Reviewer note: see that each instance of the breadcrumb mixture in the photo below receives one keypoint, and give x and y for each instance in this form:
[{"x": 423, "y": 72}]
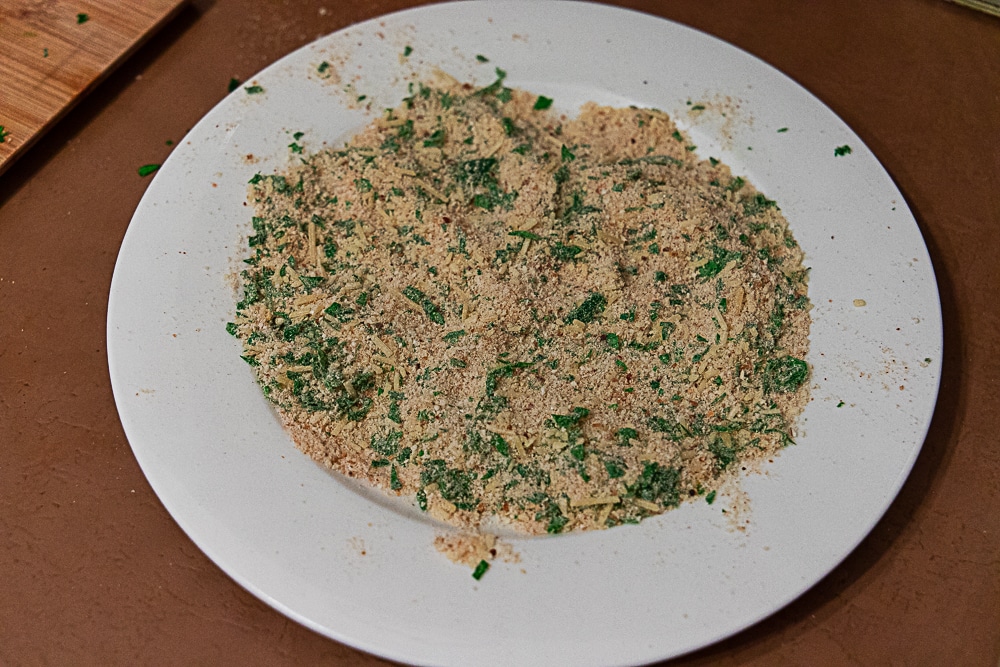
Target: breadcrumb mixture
[
  {"x": 472, "y": 548},
  {"x": 557, "y": 324}
]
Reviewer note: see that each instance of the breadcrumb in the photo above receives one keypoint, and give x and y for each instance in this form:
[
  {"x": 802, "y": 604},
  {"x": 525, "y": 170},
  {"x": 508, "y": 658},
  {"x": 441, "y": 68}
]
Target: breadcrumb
[{"x": 560, "y": 324}]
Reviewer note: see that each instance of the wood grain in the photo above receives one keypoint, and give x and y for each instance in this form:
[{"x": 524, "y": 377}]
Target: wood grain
[{"x": 53, "y": 52}]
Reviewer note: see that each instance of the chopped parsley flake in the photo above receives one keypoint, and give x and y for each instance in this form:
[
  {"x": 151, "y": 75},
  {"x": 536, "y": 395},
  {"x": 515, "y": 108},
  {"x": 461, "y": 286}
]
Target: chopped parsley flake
[
  {"x": 542, "y": 103},
  {"x": 421, "y": 299},
  {"x": 589, "y": 309},
  {"x": 480, "y": 570}
]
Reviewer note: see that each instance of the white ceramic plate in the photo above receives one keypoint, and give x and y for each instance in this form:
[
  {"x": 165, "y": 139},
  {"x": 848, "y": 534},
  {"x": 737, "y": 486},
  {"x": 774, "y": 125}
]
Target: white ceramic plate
[{"x": 360, "y": 568}]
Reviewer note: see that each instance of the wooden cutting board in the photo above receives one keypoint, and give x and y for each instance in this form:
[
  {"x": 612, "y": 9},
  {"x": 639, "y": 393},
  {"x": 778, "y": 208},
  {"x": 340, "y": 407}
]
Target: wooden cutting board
[{"x": 53, "y": 52}]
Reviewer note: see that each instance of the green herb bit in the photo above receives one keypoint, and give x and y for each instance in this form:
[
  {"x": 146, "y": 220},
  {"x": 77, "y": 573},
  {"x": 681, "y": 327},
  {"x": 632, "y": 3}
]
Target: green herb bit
[
  {"x": 842, "y": 150},
  {"x": 481, "y": 58},
  {"x": 3, "y": 134},
  {"x": 253, "y": 90},
  {"x": 572, "y": 419},
  {"x": 436, "y": 140},
  {"x": 234, "y": 83},
  {"x": 588, "y": 310},
  {"x": 421, "y": 299},
  {"x": 82, "y": 18},
  {"x": 782, "y": 129},
  {"x": 614, "y": 342},
  {"x": 504, "y": 371},
  {"x": 386, "y": 445},
  {"x": 567, "y": 154},
  {"x": 481, "y": 171},
  {"x": 614, "y": 470},
  {"x": 147, "y": 169},
  {"x": 524, "y": 234},
  {"x": 626, "y": 436},
  {"x": 710, "y": 498},
  {"x": 405, "y": 130},
  {"x": 758, "y": 203},
  {"x": 453, "y": 484},
  {"x": 542, "y": 103},
  {"x": 407, "y": 50},
  {"x": 564, "y": 253},
  {"x": 657, "y": 484},
  {"x": 556, "y": 520},
  {"x": 452, "y": 338},
  {"x": 500, "y": 444},
  {"x": 673, "y": 429},
  {"x": 720, "y": 257},
  {"x": 724, "y": 454},
  {"x": 784, "y": 375},
  {"x": 323, "y": 67},
  {"x": 480, "y": 570},
  {"x": 231, "y": 329},
  {"x": 654, "y": 310},
  {"x": 840, "y": 404},
  {"x": 495, "y": 87},
  {"x": 735, "y": 184},
  {"x": 394, "y": 413}
]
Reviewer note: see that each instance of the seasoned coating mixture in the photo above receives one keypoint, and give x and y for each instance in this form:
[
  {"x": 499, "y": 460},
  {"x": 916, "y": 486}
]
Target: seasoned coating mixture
[{"x": 517, "y": 318}]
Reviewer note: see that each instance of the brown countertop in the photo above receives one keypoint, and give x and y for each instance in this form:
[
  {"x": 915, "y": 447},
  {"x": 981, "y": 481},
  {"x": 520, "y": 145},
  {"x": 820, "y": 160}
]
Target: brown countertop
[{"x": 95, "y": 570}]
